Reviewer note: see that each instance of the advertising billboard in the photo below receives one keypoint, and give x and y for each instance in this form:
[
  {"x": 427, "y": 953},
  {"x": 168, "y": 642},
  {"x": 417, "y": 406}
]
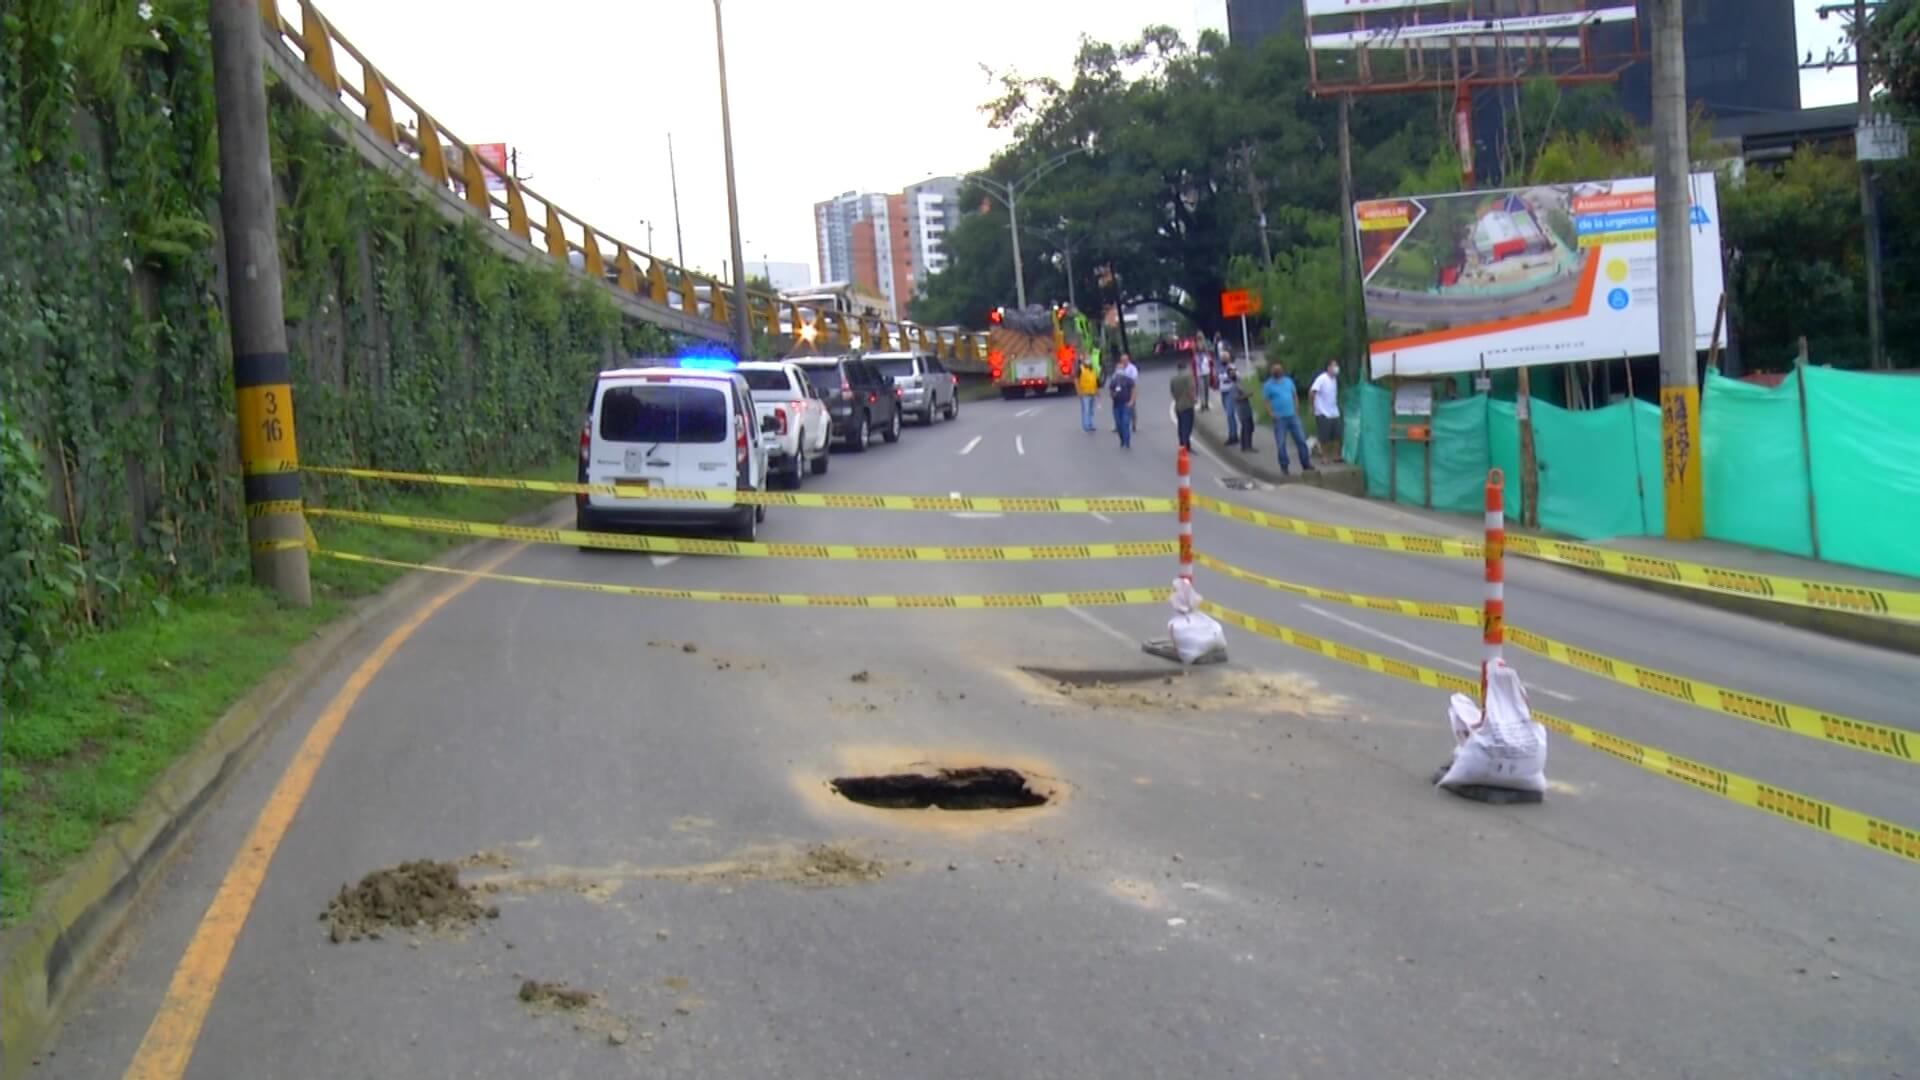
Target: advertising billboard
[
  {"x": 494, "y": 154},
  {"x": 1317, "y": 8},
  {"x": 1535, "y": 275}
]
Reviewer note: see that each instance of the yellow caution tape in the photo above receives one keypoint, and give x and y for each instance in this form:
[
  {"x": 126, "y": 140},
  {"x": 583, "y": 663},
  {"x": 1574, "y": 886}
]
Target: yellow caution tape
[
  {"x": 676, "y": 546},
  {"x": 1455, "y": 614},
  {"x": 1002, "y": 504},
  {"x": 1799, "y": 719},
  {"x": 916, "y": 602},
  {"x": 1876, "y": 833},
  {"x": 274, "y": 506},
  {"x": 1826, "y": 595},
  {"x": 1412, "y": 543},
  {"x": 1801, "y": 592}
]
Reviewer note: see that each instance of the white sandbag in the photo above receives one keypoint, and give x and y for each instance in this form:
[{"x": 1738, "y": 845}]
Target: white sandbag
[
  {"x": 1194, "y": 633},
  {"x": 1504, "y": 746}
]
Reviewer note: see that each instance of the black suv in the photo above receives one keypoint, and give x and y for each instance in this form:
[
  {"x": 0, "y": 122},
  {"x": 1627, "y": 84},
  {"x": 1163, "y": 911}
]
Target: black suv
[{"x": 860, "y": 400}]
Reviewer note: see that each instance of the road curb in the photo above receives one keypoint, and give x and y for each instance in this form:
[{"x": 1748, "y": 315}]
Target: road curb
[
  {"x": 79, "y": 914},
  {"x": 1892, "y": 634},
  {"x": 1342, "y": 481}
]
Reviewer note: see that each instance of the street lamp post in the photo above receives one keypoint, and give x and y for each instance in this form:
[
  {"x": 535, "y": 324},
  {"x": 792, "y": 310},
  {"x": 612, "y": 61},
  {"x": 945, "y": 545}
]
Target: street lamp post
[
  {"x": 1009, "y": 195},
  {"x": 742, "y": 339}
]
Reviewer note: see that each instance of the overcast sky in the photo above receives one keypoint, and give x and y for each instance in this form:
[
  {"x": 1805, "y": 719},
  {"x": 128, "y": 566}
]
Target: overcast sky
[{"x": 827, "y": 95}]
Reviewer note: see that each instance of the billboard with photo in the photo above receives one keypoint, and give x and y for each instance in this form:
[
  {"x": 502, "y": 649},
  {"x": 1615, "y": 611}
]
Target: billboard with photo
[{"x": 1535, "y": 275}]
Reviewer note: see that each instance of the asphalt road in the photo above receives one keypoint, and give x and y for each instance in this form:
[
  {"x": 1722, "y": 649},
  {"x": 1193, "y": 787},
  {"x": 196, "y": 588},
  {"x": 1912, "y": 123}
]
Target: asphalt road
[{"x": 1264, "y": 885}]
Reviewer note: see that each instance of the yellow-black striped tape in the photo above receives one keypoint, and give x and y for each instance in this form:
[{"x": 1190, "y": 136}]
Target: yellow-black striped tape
[
  {"x": 675, "y": 546},
  {"x": 909, "y": 601},
  {"x": 1003, "y": 504},
  {"x": 1802, "y": 720},
  {"x": 1877, "y": 833},
  {"x": 1801, "y": 592}
]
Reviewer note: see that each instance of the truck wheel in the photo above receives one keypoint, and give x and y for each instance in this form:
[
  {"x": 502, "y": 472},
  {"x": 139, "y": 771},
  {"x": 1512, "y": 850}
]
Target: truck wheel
[
  {"x": 1012, "y": 393},
  {"x": 858, "y": 441},
  {"x": 892, "y": 434},
  {"x": 820, "y": 460},
  {"x": 953, "y": 408}
]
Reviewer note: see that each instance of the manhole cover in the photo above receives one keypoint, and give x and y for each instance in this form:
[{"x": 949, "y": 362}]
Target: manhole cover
[{"x": 980, "y": 788}]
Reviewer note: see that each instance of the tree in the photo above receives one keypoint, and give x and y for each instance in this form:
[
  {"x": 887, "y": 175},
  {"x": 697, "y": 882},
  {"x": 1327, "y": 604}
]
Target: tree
[
  {"x": 1794, "y": 244},
  {"x": 1893, "y": 51}
]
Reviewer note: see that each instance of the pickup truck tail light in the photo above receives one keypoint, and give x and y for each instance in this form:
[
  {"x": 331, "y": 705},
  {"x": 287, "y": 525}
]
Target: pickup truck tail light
[{"x": 780, "y": 421}]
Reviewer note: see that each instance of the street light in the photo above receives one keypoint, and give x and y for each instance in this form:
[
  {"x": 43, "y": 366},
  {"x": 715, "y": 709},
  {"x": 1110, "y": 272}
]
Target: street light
[
  {"x": 1009, "y": 195},
  {"x": 742, "y": 339},
  {"x": 649, "y": 226}
]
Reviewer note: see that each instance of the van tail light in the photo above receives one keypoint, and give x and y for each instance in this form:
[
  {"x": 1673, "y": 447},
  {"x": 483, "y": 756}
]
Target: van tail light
[
  {"x": 873, "y": 397},
  {"x": 586, "y": 440},
  {"x": 740, "y": 447},
  {"x": 955, "y": 379}
]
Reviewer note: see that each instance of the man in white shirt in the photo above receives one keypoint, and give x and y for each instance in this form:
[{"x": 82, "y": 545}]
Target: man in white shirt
[{"x": 1326, "y": 410}]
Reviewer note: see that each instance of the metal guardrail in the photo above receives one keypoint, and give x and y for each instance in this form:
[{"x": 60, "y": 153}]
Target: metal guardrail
[{"x": 450, "y": 163}]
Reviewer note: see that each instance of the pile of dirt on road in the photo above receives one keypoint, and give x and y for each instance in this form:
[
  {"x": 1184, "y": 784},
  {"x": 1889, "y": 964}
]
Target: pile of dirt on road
[
  {"x": 413, "y": 894},
  {"x": 1229, "y": 691},
  {"x": 540, "y": 995},
  {"x": 821, "y": 865}
]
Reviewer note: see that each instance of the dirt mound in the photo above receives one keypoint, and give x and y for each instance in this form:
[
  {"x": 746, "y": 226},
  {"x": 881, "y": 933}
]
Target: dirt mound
[
  {"x": 539, "y": 995},
  {"x": 419, "y": 893},
  {"x": 821, "y": 865}
]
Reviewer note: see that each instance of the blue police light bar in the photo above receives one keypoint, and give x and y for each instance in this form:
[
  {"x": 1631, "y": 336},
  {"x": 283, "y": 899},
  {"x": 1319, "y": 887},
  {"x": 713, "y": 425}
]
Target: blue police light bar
[{"x": 708, "y": 363}]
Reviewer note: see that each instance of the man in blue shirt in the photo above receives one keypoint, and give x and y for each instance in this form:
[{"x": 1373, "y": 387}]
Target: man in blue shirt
[{"x": 1284, "y": 402}]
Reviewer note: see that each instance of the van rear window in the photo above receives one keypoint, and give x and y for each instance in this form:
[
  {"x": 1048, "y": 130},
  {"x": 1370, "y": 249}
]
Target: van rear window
[
  {"x": 663, "y": 414},
  {"x": 824, "y": 379},
  {"x": 765, "y": 379}
]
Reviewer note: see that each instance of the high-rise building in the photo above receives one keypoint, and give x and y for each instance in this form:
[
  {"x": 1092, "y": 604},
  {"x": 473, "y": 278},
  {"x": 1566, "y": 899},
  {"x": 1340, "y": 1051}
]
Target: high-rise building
[
  {"x": 933, "y": 208},
  {"x": 1248, "y": 21},
  {"x": 887, "y": 244}
]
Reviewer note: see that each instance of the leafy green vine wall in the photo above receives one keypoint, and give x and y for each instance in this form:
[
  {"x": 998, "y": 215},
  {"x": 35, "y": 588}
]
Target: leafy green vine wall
[{"x": 415, "y": 345}]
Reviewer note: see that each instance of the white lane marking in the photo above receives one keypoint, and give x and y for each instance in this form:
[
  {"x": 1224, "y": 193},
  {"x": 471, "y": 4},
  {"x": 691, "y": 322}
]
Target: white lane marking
[
  {"x": 971, "y": 443},
  {"x": 974, "y": 514},
  {"x": 1099, "y": 624},
  {"x": 1020, "y": 445},
  {"x": 1100, "y": 517},
  {"x": 953, "y": 494},
  {"x": 1411, "y": 647},
  {"x": 1026, "y": 412},
  {"x": 664, "y": 560}
]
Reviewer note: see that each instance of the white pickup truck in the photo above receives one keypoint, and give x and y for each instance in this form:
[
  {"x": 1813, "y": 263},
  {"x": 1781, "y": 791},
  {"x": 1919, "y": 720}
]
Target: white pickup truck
[{"x": 802, "y": 435}]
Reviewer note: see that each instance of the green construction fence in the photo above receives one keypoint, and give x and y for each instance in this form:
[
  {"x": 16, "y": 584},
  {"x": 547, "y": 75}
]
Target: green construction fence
[{"x": 1600, "y": 469}]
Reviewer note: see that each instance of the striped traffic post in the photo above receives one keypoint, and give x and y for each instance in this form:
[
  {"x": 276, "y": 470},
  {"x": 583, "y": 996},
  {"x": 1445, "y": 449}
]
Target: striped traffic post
[
  {"x": 1493, "y": 616},
  {"x": 1186, "y": 515}
]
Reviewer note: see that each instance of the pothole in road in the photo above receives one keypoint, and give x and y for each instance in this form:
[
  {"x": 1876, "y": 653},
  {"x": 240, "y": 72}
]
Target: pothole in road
[
  {"x": 1102, "y": 676},
  {"x": 977, "y": 788}
]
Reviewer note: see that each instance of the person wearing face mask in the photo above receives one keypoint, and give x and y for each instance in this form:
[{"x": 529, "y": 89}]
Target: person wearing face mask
[{"x": 1326, "y": 410}]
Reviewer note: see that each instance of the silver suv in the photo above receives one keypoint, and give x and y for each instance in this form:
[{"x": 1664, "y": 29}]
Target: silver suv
[{"x": 927, "y": 388}]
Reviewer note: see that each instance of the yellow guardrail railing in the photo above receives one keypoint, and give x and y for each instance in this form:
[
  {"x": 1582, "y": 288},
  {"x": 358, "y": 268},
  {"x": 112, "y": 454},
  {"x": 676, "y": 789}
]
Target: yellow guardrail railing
[
  {"x": 1802, "y": 592},
  {"x": 448, "y": 162},
  {"x": 1803, "y": 720}
]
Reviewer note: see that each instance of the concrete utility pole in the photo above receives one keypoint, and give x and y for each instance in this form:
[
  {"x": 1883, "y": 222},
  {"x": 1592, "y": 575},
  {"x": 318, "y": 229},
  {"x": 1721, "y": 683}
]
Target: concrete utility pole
[
  {"x": 742, "y": 337},
  {"x": 1673, "y": 237},
  {"x": 673, "y": 174},
  {"x": 1349, "y": 257},
  {"x": 262, "y": 373},
  {"x": 1869, "y": 209},
  {"x": 1009, "y": 196}
]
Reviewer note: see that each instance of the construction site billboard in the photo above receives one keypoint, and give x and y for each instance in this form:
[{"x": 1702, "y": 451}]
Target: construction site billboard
[{"x": 1520, "y": 276}]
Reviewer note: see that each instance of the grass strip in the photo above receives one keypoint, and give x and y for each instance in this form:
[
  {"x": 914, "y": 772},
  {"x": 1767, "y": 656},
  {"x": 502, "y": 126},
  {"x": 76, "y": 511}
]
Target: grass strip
[{"x": 83, "y": 747}]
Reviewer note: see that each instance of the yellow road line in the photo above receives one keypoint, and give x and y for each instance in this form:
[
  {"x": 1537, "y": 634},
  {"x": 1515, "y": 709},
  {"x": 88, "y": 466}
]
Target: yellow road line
[{"x": 168, "y": 1045}]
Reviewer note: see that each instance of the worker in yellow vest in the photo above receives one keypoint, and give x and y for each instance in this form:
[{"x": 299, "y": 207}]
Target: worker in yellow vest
[{"x": 1087, "y": 383}]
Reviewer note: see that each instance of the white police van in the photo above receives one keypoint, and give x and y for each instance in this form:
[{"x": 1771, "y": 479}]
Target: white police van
[{"x": 683, "y": 424}]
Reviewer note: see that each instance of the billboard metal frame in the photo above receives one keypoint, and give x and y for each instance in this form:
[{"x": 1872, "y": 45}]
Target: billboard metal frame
[{"x": 1490, "y": 57}]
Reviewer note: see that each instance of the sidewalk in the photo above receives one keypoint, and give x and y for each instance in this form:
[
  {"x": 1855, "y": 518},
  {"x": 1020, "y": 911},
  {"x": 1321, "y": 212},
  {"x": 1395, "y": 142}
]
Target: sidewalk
[
  {"x": 1345, "y": 484},
  {"x": 1263, "y": 463}
]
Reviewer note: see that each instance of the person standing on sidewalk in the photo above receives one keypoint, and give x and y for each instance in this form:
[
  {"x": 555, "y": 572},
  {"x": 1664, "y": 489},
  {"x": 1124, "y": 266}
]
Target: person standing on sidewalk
[
  {"x": 1283, "y": 400},
  {"x": 1126, "y": 379},
  {"x": 1203, "y": 375},
  {"x": 1325, "y": 393},
  {"x": 1087, "y": 382},
  {"x": 1182, "y": 389},
  {"x": 1234, "y": 399}
]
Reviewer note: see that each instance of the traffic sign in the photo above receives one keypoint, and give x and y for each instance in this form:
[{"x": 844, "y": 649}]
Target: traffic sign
[{"x": 1239, "y": 303}]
